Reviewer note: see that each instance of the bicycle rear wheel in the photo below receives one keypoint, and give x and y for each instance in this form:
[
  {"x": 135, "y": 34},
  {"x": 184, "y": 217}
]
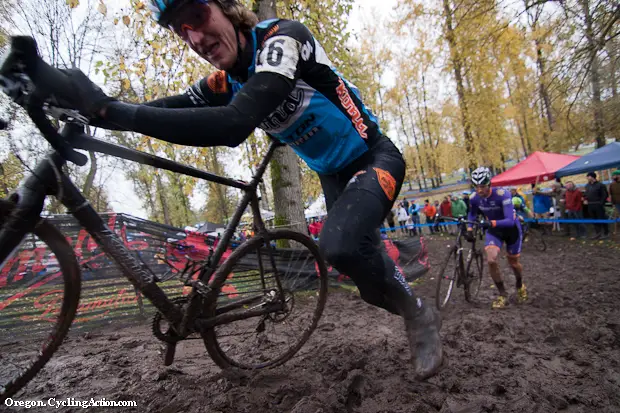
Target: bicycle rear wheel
[
  {"x": 447, "y": 278},
  {"x": 474, "y": 271},
  {"x": 39, "y": 293},
  {"x": 272, "y": 339}
]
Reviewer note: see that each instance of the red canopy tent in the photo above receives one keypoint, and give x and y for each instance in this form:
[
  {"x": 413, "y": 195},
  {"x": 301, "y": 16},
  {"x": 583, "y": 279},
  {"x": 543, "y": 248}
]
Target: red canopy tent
[{"x": 538, "y": 167}]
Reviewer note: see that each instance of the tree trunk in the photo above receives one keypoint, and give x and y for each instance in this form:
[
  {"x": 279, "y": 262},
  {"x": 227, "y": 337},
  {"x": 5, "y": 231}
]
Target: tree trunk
[
  {"x": 415, "y": 164},
  {"x": 543, "y": 88},
  {"x": 595, "y": 79},
  {"x": 430, "y": 135},
  {"x": 285, "y": 171},
  {"x": 455, "y": 58},
  {"x": 415, "y": 139},
  {"x": 523, "y": 116}
]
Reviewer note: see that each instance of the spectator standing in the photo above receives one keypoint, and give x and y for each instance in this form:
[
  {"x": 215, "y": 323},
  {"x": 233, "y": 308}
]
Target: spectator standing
[
  {"x": 595, "y": 196},
  {"x": 414, "y": 213},
  {"x": 402, "y": 218},
  {"x": 466, "y": 200},
  {"x": 436, "y": 220},
  {"x": 459, "y": 209},
  {"x": 574, "y": 208},
  {"x": 446, "y": 211},
  {"x": 558, "y": 193},
  {"x": 542, "y": 203},
  {"x": 406, "y": 205},
  {"x": 429, "y": 212}
]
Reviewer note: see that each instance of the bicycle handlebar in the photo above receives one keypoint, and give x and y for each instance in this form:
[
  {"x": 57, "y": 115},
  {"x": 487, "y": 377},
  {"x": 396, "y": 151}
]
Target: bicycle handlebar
[{"x": 27, "y": 79}]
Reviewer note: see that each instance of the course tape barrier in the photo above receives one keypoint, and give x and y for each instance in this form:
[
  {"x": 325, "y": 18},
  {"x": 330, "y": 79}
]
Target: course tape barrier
[
  {"x": 31, "y": 284},
  {"x": 542, "y": 220}
]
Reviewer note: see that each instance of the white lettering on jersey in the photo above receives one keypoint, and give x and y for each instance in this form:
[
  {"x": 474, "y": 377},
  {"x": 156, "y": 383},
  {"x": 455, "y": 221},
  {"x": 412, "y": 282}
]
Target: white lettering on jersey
[
  {"x": 290, "y": 110},
  {"x": 320, "y": 56},
  {"x": 306, "y": 51},
  {"x": 279, "y": 55}
]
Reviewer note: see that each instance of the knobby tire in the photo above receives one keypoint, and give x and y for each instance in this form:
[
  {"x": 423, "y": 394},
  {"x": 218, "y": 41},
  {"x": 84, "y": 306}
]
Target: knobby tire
[
  {"x": 70, "y": 270},
  {"x": 215, "y": 350},
  {"x": 447, "y": 279}
]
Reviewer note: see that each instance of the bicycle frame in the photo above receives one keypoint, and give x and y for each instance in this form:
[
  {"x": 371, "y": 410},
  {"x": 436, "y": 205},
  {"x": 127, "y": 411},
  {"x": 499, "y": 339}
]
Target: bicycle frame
[{"x": 48, "y": 179}]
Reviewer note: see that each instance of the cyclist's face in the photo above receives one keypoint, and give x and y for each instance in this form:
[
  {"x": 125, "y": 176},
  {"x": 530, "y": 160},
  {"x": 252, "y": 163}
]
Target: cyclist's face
[
  {"x": 483, "y": 190},
  {"x": 207, "y": 30}
]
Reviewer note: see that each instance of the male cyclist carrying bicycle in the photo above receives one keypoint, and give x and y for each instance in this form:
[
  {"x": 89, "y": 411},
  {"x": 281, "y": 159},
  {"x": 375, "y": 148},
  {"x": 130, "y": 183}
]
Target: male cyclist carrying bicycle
[
  {"x": 275, "y": 75},
  {"x": 502, "y": 227}
]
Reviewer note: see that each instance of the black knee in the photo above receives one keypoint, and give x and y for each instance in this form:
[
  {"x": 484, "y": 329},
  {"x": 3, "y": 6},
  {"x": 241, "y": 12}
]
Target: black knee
[{"x": 338, "y": 253}]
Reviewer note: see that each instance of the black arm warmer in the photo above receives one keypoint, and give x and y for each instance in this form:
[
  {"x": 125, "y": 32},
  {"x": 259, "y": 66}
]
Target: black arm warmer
[
  {"x": 178, "y": 101},
  {"x": 207, "y": 126}
]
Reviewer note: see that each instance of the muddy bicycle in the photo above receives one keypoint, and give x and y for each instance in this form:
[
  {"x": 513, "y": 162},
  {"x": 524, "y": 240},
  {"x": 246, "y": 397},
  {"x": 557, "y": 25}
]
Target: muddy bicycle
[
  {"x": 265, "y": 323},
  {"x": 458, "y": 271}
]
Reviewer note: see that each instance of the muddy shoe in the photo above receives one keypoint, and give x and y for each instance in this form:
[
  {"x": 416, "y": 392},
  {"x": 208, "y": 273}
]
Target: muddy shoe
[
  {"x": 425, "y": 342},
  {"x": 522, "y": 294},
  {"x": 500, "y": 302}
]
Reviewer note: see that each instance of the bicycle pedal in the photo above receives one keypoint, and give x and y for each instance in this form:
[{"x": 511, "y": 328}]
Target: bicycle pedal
[{"x": 169, "y": 355}]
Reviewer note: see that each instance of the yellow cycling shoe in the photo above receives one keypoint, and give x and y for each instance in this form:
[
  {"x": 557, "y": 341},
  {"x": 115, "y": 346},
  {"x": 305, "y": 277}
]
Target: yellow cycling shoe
[
  {"x": 522, "y": 294},
  {"x": 500, "y": 302}
]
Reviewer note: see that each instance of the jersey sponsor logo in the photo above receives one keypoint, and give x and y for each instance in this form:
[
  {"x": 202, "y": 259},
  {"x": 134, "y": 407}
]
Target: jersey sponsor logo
[
  {"x": 217, "y": 82},
  {"x": 285, "y": 111},
  {"x": 356, "y": 177},
  {"x": 507, "y": 202},
  {"x": 304, "y": 136},
  {"x": 270, "y": 33},
  {"x": 501, "y": 192},
  {"x": 352, "y": 110},
  {"x": 387, "y": 182}
]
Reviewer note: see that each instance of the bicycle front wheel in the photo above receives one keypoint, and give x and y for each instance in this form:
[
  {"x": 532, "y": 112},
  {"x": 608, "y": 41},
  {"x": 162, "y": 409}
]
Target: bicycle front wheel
[
  {"x": 287, "y": 268},
  {"x": 447, "y": 278},
  {"x": 38, "y": 301},
  {"x": 474, "y": 271}
]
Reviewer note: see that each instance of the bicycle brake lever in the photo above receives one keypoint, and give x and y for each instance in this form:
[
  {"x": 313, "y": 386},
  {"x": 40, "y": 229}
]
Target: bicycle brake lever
[{"x": 66, "y": 115}]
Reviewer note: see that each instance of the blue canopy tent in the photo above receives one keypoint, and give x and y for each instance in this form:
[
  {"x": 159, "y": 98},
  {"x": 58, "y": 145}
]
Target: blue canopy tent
[{"x": 606, "y": 157}]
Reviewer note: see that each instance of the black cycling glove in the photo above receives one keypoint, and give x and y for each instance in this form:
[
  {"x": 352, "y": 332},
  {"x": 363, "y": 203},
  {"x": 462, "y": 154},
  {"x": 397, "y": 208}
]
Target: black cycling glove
[{"x": 88, "y": 98}]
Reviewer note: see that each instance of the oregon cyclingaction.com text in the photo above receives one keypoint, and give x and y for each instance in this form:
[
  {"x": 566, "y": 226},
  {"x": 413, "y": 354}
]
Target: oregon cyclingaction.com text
[{"x": 68, "y": 402}]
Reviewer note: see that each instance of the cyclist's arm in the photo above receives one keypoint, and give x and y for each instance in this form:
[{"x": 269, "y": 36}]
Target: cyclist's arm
[
  {"x": 509, "y": 215},
  {"x": 472, "y": 215},
  {"x": 279, "y": 64},
  {"x": 198, "y": 95},
  {"x": 207, "y": 126}
]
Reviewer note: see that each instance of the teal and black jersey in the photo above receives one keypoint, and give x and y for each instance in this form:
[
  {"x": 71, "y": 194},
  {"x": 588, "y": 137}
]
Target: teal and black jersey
[{"x": 323, "y": 118}]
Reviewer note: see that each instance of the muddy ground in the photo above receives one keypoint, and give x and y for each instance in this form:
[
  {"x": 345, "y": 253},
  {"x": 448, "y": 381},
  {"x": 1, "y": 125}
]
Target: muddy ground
[{"x": 560, "y": 351}]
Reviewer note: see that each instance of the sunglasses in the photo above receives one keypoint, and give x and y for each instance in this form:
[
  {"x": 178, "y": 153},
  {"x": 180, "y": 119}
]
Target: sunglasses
[{"x": 189, "y": 15}]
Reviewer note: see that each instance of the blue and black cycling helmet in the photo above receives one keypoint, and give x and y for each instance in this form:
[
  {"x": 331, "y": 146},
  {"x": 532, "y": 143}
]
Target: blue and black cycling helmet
[
  {"x": 481, "y": 176},
  {"x": 163, "y": 10}
]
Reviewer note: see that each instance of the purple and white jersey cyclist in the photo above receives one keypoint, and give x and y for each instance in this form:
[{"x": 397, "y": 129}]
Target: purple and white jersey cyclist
[{"x": 497, "y": 207}]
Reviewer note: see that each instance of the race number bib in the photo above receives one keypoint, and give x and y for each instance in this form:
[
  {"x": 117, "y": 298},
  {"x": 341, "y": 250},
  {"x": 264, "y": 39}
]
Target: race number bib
[{"x": 279, "y": 55}]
